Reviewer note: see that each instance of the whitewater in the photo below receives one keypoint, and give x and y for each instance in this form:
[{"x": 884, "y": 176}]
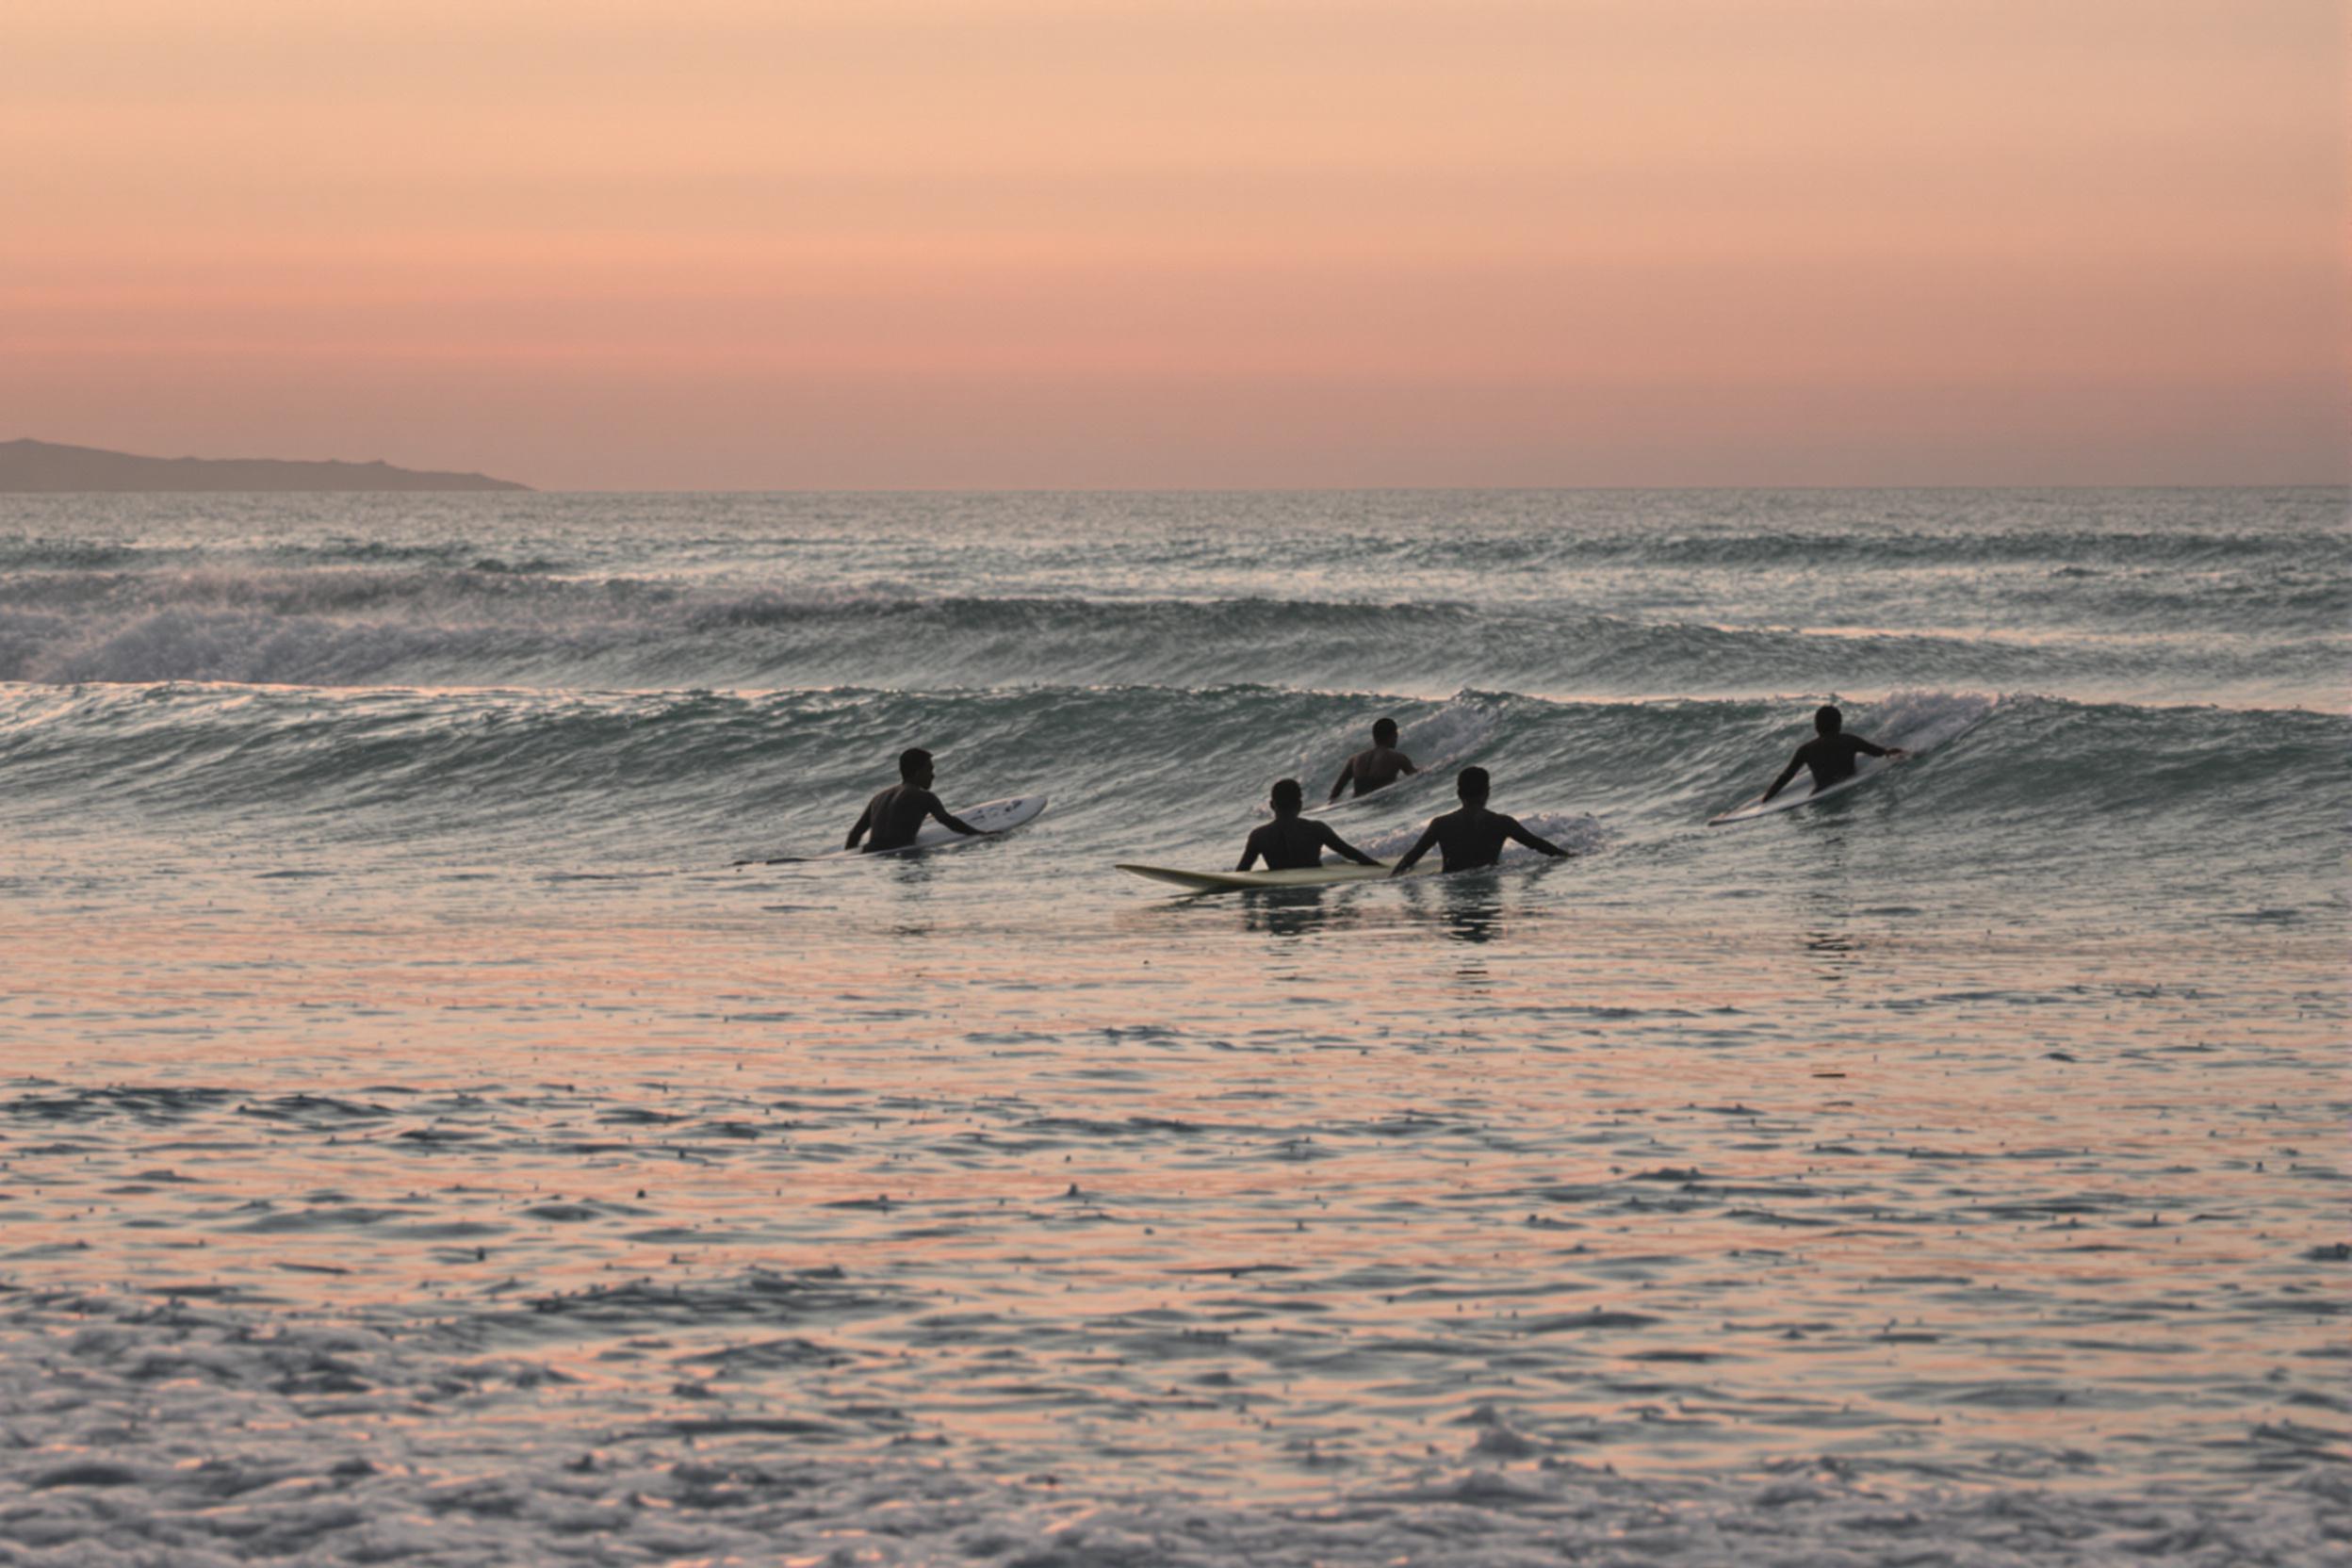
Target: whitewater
[{"x": 421, "y": 1142}]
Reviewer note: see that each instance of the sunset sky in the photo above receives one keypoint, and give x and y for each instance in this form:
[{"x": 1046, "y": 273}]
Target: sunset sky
[{"x": 745, "y": 244}]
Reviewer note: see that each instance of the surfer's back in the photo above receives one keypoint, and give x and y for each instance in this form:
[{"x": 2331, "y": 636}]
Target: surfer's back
[
  {"x": 1471, "y": 836},
  {"x": 895, "y": 815}
]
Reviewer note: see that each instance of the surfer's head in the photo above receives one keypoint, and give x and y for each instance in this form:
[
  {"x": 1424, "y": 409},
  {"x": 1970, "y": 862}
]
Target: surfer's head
[
  {"x": 1288, "y": 797},
  {"x": 1827, "y": 720},
  {"x": 914, "y": 766},
  {"x": 1384, "y": 732},
  {"x": 1472, "y": 786}
]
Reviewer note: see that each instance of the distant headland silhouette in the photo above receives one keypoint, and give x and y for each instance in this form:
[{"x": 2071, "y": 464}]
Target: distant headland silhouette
[{"x": 27, "y": 465}]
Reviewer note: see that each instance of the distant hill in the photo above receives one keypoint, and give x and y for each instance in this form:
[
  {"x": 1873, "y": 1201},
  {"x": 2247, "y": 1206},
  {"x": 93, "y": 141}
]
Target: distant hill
[{"x": 42, "y": 466}]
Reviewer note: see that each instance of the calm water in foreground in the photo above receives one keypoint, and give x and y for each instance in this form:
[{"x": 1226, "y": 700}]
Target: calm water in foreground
[{"x": 419, "y": 1144}]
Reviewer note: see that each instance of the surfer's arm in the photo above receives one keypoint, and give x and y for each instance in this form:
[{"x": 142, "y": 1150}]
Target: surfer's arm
[
  {"x": 1513, "y": 829},
  {"x": 1428, "y": 837},
  {"x": 1334, "y": 841},
  {"x": 1404, "y": 764},
  {"x": 865, "y": 820},
  {"x": 1347, "y": 772},
  {"x": 1249, "y": 853},
  {"x": 950, "y": 820},
  {"x": 1786, "y": 774},
  {"x": 1870, "y": 749}
]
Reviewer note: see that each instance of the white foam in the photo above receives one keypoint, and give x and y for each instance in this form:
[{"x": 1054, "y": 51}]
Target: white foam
[{"x": 201, "y": 1437}]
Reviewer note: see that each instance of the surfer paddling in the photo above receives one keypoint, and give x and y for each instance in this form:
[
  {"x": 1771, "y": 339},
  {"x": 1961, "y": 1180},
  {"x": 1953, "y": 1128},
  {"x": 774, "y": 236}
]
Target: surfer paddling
[
  {"x": 1473, "y": 836},
  {"x": 1290, "y": 842},
  {"x": 895, "y": 815},
  {"x": 1830, "y": 753},
  {"x": 1378, "y": 765}
]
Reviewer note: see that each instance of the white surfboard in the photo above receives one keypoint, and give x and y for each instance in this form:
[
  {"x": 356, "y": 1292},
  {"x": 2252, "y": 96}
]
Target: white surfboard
[
  {"x": 1241, "y": 881},
  {"x": 1797, "y": 794},
  {"x": 990, "y": 817}
]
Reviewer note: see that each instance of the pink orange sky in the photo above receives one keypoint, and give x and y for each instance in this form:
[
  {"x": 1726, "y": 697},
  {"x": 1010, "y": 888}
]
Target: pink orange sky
[{"x": 751, "y": 244}]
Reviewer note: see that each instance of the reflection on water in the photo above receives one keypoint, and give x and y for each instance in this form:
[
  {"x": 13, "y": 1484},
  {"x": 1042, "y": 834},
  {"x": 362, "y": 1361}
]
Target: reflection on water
[
  {"x": 1466, "y": 908},
  {"x": 1835, "y": 946},
  {"x": 1291, "y": 913},
  {"x": 415, "y": 1145},
  {"x": 1687, "y": 1209}
]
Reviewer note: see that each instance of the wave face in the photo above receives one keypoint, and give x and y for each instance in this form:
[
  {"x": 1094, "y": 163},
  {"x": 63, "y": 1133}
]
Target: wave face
[
  {"x": 2237, "y": 804},
  {"x": 641, "y": 682},
  {"x": 2156, "y": 598}
]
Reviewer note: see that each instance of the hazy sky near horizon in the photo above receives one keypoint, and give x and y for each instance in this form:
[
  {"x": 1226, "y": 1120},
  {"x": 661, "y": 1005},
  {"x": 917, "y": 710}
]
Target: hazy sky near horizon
[{"x": 741, "y": 244}]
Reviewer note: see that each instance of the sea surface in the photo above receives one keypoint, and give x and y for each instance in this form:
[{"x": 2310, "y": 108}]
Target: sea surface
[{"x": 420, "y": 1142}]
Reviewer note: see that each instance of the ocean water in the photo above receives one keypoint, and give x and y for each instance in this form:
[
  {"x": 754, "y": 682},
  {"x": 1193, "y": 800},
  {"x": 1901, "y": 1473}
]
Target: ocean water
[{"x": 420, "y": 1143}]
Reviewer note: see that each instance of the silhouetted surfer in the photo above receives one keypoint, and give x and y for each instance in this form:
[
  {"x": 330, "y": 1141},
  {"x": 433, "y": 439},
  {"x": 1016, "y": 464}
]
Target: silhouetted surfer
[
  {"x": 1830, "y": 753},
  {"x": 1473, "y": 836},
  {"x": 1377, "y": 766},
  {"x": 1290, "y": 842},
  {"x": 895, "y": 815}
]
